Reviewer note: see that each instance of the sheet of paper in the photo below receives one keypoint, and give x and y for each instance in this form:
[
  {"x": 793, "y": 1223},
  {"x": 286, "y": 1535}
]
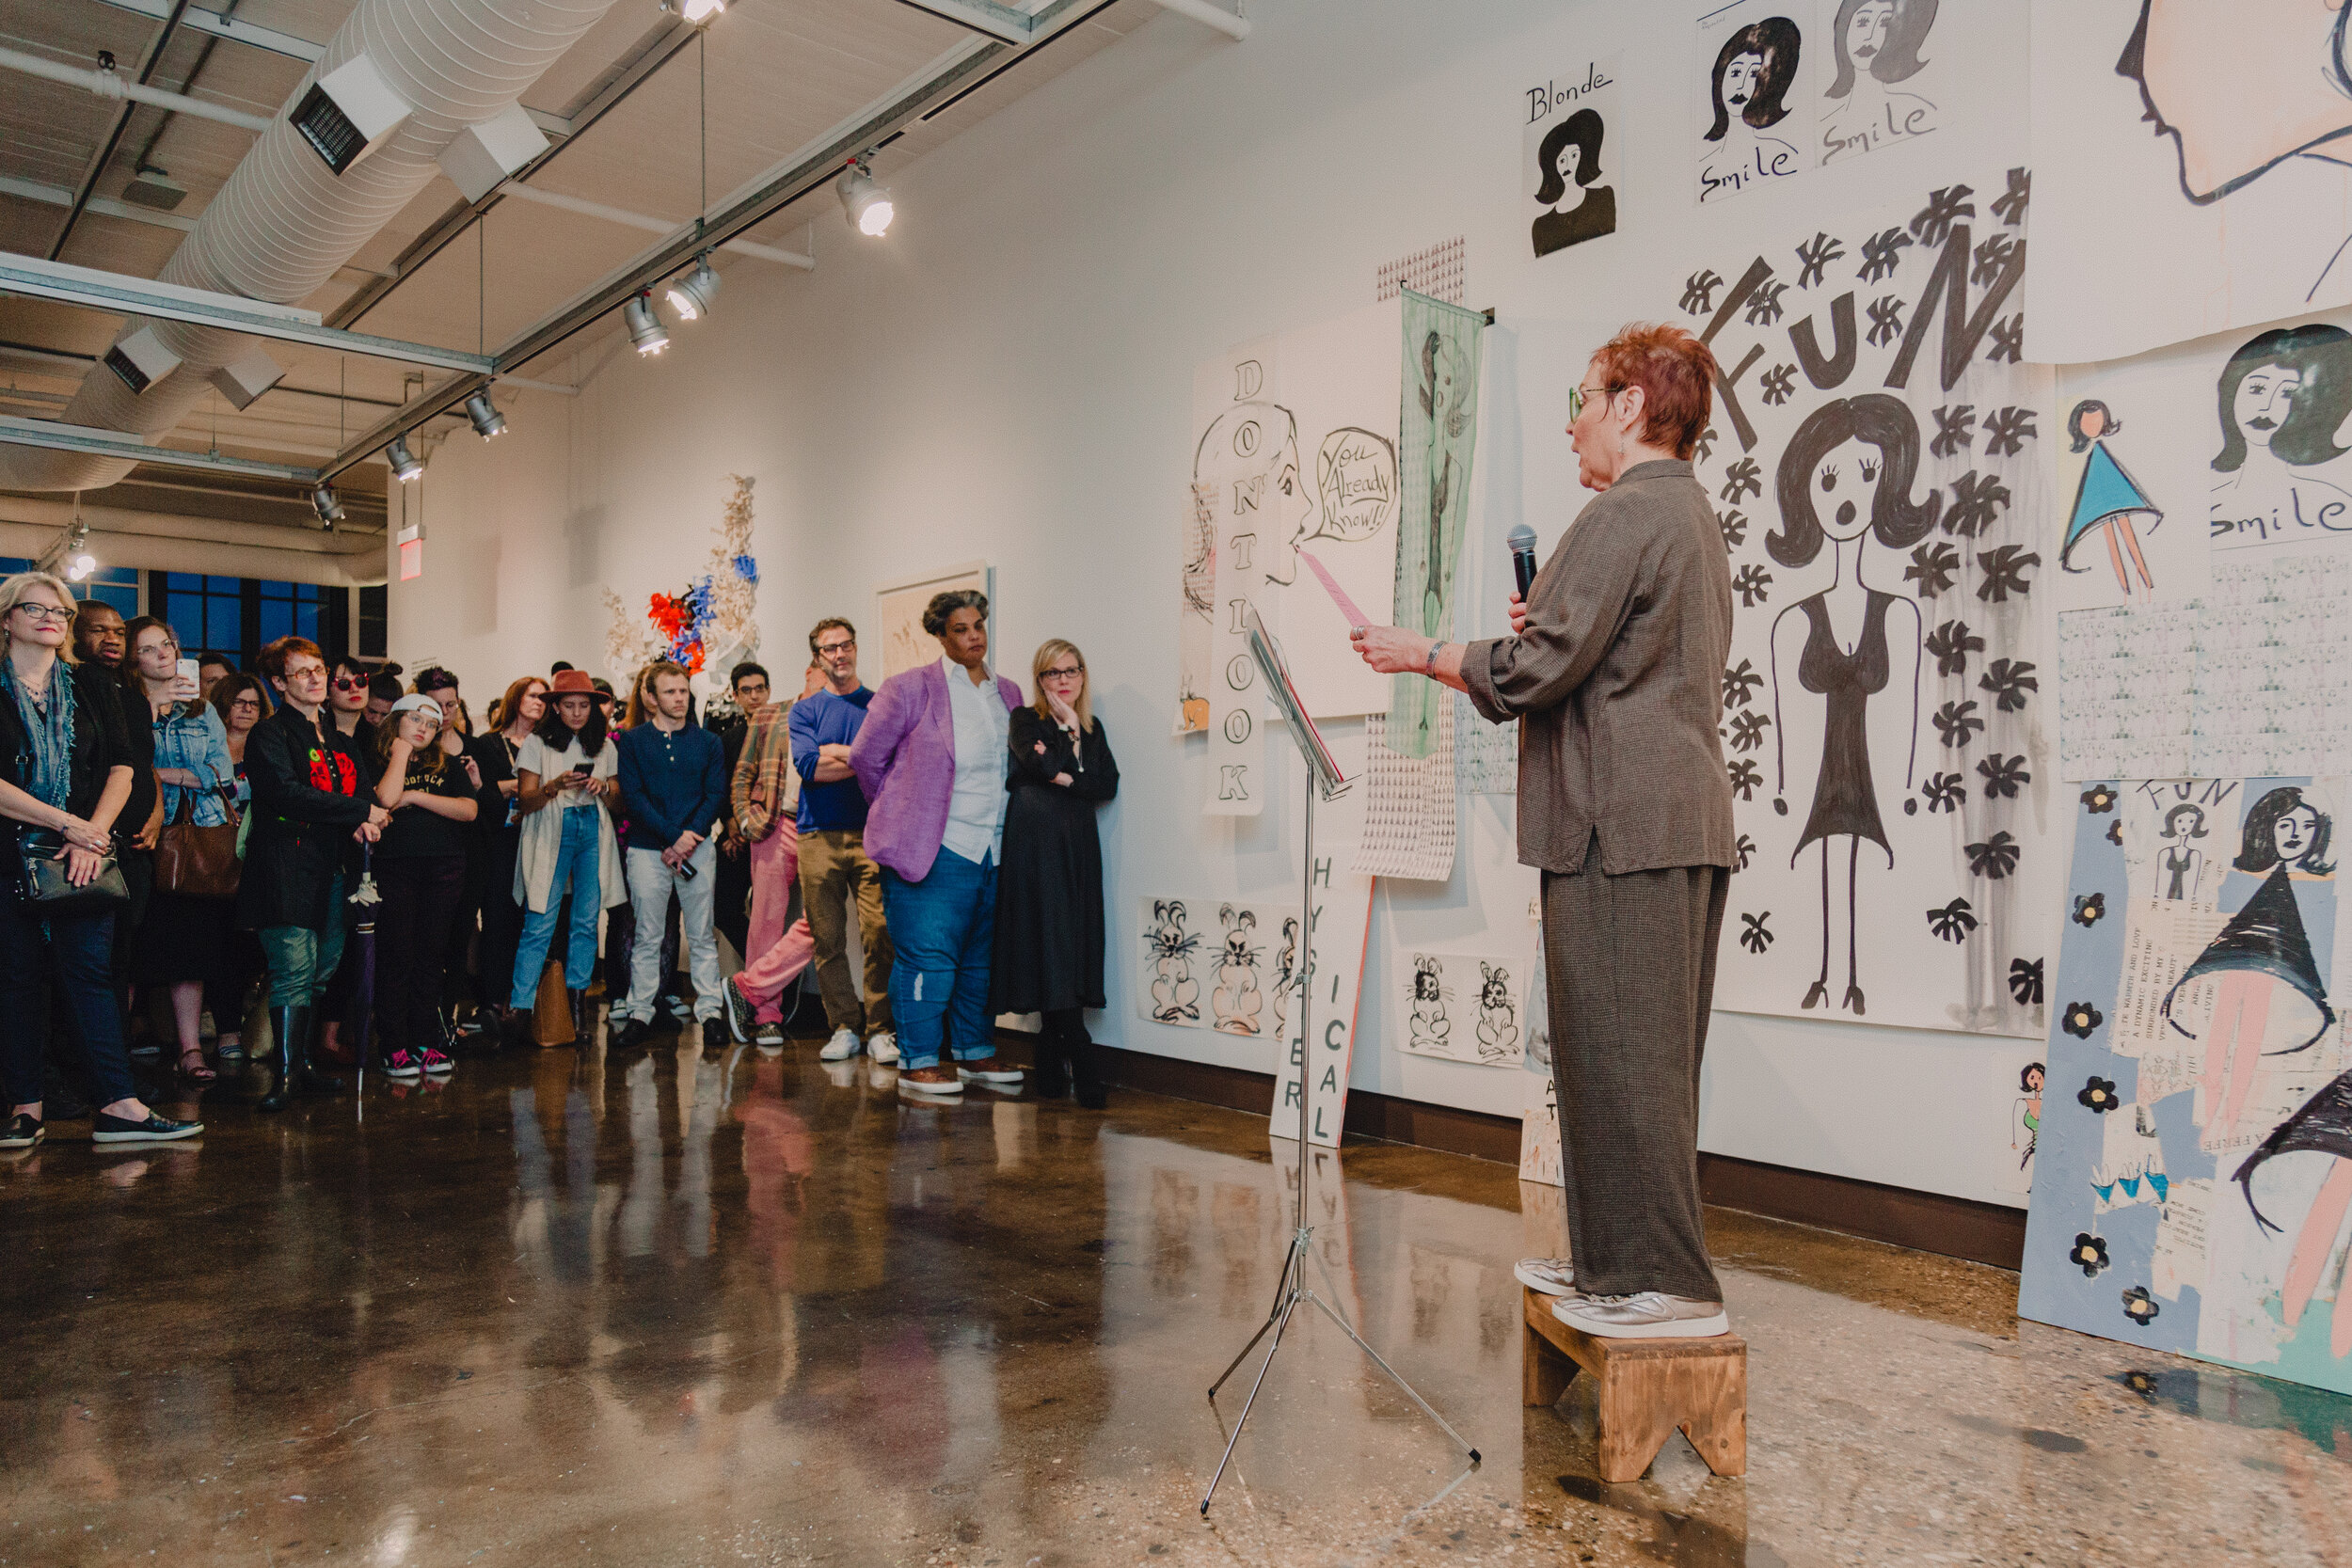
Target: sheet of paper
[{"x": 1409, "y": 821}]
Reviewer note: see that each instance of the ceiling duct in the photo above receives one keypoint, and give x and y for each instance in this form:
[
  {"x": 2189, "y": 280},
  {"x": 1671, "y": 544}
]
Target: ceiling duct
[{"x": 286, "y": 219}]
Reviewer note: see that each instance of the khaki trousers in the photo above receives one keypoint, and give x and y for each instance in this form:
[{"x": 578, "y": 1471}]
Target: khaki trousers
[{"x": 836, "y": 874}]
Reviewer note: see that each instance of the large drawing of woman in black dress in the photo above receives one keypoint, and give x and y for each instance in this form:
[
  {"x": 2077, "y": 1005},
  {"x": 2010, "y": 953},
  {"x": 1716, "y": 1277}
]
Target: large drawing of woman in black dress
[{"x": 1847, "y": 644}]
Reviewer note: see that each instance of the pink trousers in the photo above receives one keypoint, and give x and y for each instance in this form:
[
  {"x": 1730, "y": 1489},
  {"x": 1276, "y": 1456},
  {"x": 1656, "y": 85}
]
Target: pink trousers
[{"x": 777, "y": 955}]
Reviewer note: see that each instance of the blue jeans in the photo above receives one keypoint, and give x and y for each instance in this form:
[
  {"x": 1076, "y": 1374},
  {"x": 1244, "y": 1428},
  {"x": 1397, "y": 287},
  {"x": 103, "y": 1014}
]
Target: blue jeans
[
  {"x": 575, "y": 870},
  {"x": 83, "y": 949},
  {"x": 942, "y": 930}
]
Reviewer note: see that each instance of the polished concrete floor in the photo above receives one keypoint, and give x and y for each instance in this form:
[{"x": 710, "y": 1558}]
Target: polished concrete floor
[{"x": 701, "y": 1307}]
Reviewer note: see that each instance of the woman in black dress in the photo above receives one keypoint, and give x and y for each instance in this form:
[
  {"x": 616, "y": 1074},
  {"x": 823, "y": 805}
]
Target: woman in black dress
[{"x": 1049, "y": 879}]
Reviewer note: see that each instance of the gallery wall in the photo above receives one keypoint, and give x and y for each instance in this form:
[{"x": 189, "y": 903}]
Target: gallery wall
[{"x": 1008, "y": 374}]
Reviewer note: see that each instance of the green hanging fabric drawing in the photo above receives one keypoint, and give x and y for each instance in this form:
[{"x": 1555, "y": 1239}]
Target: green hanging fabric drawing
[{"x": 1440, "y": 434}]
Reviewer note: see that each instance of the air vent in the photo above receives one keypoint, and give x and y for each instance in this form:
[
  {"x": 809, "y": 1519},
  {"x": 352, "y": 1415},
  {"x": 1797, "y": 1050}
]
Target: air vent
[
  {"x": 349, "y": 112},
  {"x": 141, "y": 360},
  {"x": 328, "y": 129},
  {"x": 152, "y": 188},
  {"x": 132, "y": 376}
]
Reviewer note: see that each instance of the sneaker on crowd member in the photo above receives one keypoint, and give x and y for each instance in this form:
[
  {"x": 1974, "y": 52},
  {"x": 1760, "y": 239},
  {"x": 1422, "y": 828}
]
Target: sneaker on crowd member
[
  {"x": 843, "y": 1045},
  {"x": 404, "y": 1063},
  {"x": 149, "y": 1129},
  {"x": 742, "y": 1018},
  {"x": 1644, "y": 1315},
  {"x": 769, "y": 1037},
  {"x": 882, "y": 1045},
  {"x": 24, "y": 1131},
  {"x": 990, "y": 1069},
  {"x": 633, "y": 1033},
  {"x": 932, "y": 1080},
  {"x": 1550, "y": 1276},
  {"x": 436, "y": 1061}
]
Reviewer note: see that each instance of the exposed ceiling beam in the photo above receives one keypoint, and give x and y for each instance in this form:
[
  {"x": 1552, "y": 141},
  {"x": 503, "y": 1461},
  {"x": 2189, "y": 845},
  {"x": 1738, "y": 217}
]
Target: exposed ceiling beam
[
  {"x": 986, "y": 17},
  {"x": 91, "y": 288},
  {"x": 104, "y": 206},
  {"x": 219, "y": 26},
  {"x": 650, "y": 225},
  {"x": 57, "y": 437},
  {"x": 147, "y": 61},
  {"x": 110, "y": 84},
  {"x": 1209, "y": 14}
]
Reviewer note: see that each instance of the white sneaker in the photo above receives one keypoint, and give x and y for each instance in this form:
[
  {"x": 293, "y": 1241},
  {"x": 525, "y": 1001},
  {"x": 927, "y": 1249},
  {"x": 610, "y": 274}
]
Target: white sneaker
[
  {"x": 1550, "y": 1276},
  {"x": 883, "y": 1046},
  {"x": 843, "y": 1046},
  {"x": 1644, "y": 1315}
]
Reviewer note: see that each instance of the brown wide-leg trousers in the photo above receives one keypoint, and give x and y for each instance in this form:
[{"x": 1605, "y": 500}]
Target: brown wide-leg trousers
[{"x": 1629, "y": 979}]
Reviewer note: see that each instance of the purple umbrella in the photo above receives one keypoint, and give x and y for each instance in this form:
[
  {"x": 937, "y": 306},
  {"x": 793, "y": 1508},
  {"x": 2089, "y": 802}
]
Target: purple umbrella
[{"x": 365, "y": 899}]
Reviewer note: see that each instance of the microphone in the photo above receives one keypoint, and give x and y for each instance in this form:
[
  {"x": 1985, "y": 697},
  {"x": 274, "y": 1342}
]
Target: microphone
[{"x": 1522, "y": 542}]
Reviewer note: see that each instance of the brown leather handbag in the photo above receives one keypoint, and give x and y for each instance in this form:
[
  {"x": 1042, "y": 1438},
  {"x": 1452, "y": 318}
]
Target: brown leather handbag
[{"x": 198, "y": 863}]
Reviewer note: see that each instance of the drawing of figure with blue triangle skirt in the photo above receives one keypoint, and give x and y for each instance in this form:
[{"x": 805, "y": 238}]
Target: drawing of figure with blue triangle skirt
[{"x": 2106, "y": 501}]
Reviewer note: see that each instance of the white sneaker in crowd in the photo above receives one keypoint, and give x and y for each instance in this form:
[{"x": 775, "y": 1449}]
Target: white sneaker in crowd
[
  {"x": 883, "y": 1046},
  {"x": 1550, "y": 1276},
  {"x": 844, "y": 1045},
  {"x": 1645, "y": 1315}
]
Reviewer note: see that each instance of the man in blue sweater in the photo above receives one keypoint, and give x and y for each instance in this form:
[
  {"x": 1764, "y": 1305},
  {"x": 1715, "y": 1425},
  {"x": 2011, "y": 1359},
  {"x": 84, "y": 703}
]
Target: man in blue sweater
[
  {"x": 834, "y": 870},
  {"x": 673, "y": 790}
]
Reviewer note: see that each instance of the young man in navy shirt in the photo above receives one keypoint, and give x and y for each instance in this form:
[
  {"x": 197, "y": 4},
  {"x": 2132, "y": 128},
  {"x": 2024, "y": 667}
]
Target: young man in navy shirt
[
  {"x": 835, "y": 871},
  {"x": 673, "y": 778}
]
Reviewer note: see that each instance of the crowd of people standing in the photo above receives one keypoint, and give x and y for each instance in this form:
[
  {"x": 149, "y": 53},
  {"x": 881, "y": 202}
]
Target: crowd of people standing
[{"x": 184, "y": 835}]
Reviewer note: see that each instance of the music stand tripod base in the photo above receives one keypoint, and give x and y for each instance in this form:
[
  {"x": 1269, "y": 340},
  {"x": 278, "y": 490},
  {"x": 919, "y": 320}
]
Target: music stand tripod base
[{"x": 1292, "y": 1291}]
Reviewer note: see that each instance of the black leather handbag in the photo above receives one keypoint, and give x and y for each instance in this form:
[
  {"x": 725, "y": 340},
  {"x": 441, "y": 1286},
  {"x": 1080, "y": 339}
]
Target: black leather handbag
[{"x": 41, "y": 882}]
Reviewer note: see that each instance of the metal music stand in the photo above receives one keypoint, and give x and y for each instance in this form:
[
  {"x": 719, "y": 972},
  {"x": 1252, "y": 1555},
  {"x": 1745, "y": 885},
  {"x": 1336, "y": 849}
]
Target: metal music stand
[{"x": 1292, "y": 1291}]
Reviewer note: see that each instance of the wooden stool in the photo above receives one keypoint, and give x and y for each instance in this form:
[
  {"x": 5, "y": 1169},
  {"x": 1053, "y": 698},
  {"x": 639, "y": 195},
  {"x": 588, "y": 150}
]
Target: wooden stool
[{"x": 1648, "y": 1387}]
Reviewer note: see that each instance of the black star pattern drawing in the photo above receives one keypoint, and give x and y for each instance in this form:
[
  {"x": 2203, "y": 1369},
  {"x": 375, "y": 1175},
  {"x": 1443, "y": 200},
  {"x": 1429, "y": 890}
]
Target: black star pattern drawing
[
  {"x": 2009, "y": 340},
  {"x": 1741, "y": 682},
  {"x": 2009, "y": 207},
  {"x": 1953, "y": 922},
  {"x": 1932, "y": 567},
  {"x": 1743, "y": 479},
  {"x": 2025, "y": 982},
  {"x": 1747, "y": 731},
  {"x": 1996, "y": 857},
  {"x": 1881, "y": 254},
  {"x": 1753, "y": 934},
  {"x": 2003, "y": 776},
  {"x": 1746, "y": 778},
  {"x": 2099, "y": 799},
  {"x": 1978, "y": 503},
  {"x": 1743, "y": 851},
  {"x": 1778, "y": 383},
  {"x": 1816, "y": 255},
  {"x": 1698, "y": 290},
  {"x": 1955, "y": 429},
  {"x": 2005, "y": 571},
  {"x": 1958, "y": 723},
  {"x": 1951, "y": 643},
  {"x": 1934, "y": 222},
  {"x": 1750, "y": 583},
  {"x": 1735, "y": 525},
  {"x": 2010, "y": 680},
  {"x": 1992, "y": 255},
  {"x": 2008, "y": 430},
  {"x": 1944, "y": 791},
  {"x": 2089, "y": 1253},
  {"x": 1764, "y": 307},
  {"x": 1706, "y": 448},
  {"x": 1886, "y": 321}
]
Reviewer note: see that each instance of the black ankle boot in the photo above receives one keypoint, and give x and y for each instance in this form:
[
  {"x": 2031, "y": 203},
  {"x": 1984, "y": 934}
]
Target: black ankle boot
[
  {"x": 583, "y": 1015},
  {"x": 1050, "y": 1078},
  {"x": 307, "y": 1076},
  {"x": 1086, "y": 1068},
  {"x": 282, "y": 1058}
]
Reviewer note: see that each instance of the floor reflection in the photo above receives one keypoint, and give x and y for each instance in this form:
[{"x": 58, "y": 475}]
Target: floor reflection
[{"x": 699, "y": 1303}]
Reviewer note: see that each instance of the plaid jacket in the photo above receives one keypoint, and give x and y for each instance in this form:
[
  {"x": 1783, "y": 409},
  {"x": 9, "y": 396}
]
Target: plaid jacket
[{"x": 764, "y": 778}]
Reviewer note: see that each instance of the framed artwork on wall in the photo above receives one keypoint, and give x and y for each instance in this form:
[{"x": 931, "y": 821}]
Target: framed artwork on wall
[{"x": 898, "y": 613}]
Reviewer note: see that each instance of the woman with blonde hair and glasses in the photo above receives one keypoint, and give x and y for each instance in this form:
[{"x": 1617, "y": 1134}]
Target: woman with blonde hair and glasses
[
  {"x": 65, "y": 773},
  {"x": 1049, "y": 890}
]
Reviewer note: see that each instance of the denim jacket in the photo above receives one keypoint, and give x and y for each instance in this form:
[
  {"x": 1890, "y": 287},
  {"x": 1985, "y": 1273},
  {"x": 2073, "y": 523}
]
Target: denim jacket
[{"x": 199, "y": 742}]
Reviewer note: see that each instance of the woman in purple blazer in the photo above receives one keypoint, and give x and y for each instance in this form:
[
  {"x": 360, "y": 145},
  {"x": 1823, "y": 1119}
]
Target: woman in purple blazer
[{"x": 931, "y": 758}]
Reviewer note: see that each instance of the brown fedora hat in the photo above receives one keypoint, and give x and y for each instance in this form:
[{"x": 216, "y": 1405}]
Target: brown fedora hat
[{"x": 574, "y": 683}]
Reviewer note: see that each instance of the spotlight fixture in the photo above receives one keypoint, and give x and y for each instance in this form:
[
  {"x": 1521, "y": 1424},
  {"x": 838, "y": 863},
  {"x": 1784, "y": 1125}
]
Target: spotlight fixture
[
  {"x": 323, "y": 502},
  {"x": 866, "y": 205},
  {"x": 691, "y": 295},
  {"x": 487, "y": 420},
  {"x": 645, "y": 329},
  {"x": 404, "y": 465},
  {"x": 83, "y": 565}
]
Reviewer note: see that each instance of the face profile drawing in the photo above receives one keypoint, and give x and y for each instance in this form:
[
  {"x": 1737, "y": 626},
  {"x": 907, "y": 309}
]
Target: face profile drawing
[
  {"x": 2282, "y": 401},
  {"x": 2193, "y": 63},
  {"x": 1568, "y": 166},
  {"x": 1877, "y": 45},
  {"x": 1246, "y": 479},
  {"x": 1854, "y": 458},
  {"x": 1753, "y": 71}
]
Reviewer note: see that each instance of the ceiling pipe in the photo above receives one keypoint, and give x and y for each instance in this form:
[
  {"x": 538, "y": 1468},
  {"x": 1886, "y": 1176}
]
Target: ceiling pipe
[
  {"x": 285, "y": 221},
  {"x": 650, "y": 225},
  {"x": 109, "y": 83},
  {"x": 1212, "y": 16}
]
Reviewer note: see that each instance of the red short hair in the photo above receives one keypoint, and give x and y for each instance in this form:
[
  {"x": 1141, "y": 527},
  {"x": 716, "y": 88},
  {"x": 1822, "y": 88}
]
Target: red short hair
[
  {"x": 1676, "y": 374},
  {"x": 273, "y": 659}
]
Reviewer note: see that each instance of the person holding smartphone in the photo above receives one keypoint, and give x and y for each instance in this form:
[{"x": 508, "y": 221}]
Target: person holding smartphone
[{"x": 566, "y": 783}]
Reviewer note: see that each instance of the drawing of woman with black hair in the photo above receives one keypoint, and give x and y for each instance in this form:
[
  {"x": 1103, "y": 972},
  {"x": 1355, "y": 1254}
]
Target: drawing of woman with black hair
[
  {"x": 1854, "y": 452},
  {"x": 2025, "y": 1133},
  {"x": 2282, "y": 398},
  {"x": 2106, "y": 499},
  {"x": 1753, "y": 71},
  {"x": 1877, "y": 43},
  {"x": 2264, "y": 959},
  {"x": 2181, "y": 867},
  {"x": 1568, "y": 159},
  {"x": 2322, "y": 1126}
]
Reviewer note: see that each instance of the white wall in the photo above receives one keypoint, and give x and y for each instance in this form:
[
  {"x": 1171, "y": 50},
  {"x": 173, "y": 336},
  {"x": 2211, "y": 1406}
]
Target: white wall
[{"x": 1009, "y": 375}]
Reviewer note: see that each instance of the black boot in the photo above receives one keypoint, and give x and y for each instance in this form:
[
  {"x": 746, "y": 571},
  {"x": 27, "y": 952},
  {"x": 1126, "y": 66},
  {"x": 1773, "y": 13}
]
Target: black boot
[
  {"x": 583, "y": 1017},
  {"x": 1050, "y": 1077},
  {"x": 307, "y": 1077},
  {"x": 1086, "y": 1066},
  {"x": 281, "y": 1057}
]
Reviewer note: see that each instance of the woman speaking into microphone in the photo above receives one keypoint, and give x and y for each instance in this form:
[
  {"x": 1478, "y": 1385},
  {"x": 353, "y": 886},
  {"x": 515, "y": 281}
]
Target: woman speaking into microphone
[{"x": 1616, "y": 667}]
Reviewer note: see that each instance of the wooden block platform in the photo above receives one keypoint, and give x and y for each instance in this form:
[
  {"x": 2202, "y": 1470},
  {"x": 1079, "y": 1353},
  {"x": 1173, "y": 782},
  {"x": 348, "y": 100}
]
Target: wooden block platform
[{"x": 1648, "y": 1388}]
